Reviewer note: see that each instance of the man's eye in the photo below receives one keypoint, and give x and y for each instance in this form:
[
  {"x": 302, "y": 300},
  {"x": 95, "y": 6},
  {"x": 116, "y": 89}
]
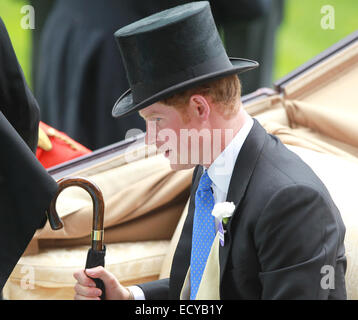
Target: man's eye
[{"x": 158, "y": 119}]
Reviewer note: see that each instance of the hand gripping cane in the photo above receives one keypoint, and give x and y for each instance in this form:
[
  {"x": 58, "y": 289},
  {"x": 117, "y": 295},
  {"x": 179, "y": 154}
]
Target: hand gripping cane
[{"x": 96, "y": 254}]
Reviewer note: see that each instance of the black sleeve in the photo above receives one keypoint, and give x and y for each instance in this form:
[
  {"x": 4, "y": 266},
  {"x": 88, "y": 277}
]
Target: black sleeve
[
  {"x": 17, "y": 102},
  {"x": 156, "y": 290},
  {"x": 26, "y": 190},
  {"x": 299, "y": 236}
]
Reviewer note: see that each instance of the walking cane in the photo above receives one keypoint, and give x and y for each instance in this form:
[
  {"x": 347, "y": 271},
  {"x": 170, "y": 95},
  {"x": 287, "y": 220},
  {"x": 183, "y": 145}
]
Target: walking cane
[{"x": 96, "y": 254}]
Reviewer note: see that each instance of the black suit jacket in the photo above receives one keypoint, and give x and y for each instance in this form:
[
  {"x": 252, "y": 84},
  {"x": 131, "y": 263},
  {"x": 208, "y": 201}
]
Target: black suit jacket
[
  {"x": 26, "y": 188},
  {"x": 284, "y": 230}
]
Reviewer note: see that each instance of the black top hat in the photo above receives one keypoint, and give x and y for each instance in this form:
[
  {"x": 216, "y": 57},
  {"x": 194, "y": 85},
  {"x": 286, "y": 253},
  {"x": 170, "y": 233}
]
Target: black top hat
[{"x": 171, "y": 51}]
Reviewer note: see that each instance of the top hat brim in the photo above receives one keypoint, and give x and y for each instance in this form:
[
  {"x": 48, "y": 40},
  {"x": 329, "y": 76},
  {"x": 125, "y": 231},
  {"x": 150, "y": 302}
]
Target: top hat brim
[{"x": 125, "y": 104}]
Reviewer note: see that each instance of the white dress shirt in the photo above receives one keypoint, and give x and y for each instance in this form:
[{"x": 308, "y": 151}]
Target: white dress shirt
[{"x": 220, "y": 172}]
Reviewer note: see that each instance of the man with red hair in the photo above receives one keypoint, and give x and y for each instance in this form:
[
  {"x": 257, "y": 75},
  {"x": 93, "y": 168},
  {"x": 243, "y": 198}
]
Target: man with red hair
[{"x": 283, "y": 227}]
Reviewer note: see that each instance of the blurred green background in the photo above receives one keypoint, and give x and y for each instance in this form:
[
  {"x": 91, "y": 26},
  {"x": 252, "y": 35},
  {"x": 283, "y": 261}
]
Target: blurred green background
[{"x": 299, "y": 38}]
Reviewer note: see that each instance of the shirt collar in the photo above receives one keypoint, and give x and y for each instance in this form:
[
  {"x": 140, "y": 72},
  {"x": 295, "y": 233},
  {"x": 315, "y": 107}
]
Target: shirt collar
[{"x": 221, "y": 169}]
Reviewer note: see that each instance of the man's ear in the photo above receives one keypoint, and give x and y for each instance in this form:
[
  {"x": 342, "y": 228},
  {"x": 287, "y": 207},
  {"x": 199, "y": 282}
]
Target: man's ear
[{"x": 199, "y": 107}]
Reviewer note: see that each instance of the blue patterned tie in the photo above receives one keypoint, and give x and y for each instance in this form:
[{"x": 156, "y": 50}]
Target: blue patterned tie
[{"x": 203, "y": 232}]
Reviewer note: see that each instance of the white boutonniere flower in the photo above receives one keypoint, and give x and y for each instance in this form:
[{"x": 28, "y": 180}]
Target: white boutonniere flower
[{"x": 223, "y": 212}]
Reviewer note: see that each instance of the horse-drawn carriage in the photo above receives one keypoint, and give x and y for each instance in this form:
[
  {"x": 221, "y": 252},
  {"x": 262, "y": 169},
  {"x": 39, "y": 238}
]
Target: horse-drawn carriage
[{"x": 313, "y": 110}]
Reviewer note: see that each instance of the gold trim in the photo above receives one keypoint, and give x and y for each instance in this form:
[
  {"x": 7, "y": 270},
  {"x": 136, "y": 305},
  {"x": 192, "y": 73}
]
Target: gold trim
[
  {"x": 43, "y": 140},
  {"x": 51, "y": 132},
  {"x": 97, "y": 235}
]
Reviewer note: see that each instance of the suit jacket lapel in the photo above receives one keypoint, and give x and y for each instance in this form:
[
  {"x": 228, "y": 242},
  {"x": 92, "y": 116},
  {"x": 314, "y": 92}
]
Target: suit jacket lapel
[
  {"x": 181, "y": 259},
  {"x": 243, "y": 169}
]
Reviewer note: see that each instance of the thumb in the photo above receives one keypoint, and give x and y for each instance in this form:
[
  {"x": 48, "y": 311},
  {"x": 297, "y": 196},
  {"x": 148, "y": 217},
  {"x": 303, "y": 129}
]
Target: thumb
[
  {"x": 114, "y": 290},
  {"x": 99, "y": 272}
]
